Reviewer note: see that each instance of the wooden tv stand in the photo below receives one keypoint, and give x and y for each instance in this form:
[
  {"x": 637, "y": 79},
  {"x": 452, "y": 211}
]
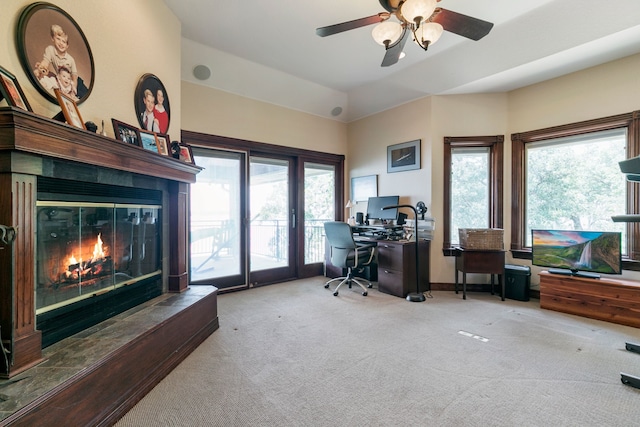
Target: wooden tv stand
[{"x": 611, "y": 300}]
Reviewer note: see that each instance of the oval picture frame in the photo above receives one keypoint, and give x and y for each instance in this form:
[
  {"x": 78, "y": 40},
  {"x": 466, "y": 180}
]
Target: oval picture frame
[
  {"x": 150, "y": 86},
  {"x": 40, "y": 27}
]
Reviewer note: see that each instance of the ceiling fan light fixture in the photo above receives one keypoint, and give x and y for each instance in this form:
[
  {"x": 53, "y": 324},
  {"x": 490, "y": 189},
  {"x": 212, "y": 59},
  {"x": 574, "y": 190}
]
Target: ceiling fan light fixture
[
  {"x": 386, "y": 33},
  {"x": 417, "y": 11},
  {"x": 429, "y": 34}
]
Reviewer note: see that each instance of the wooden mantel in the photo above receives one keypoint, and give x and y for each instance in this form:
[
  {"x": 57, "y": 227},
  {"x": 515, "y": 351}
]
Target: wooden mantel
[{"x": 28, "y": 143}]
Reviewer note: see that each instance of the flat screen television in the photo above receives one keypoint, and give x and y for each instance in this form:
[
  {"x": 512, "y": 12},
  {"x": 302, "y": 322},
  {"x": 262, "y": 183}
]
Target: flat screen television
[
  {"x": 375, "y": 205},
  {"x": 578, "y": 253}
]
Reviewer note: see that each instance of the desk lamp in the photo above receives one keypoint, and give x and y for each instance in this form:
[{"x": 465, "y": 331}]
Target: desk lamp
[{"x": 416, "y": 296}]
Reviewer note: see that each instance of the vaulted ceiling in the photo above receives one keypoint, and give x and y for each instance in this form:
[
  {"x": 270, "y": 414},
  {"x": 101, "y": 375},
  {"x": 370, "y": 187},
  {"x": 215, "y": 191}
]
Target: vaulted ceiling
[{"x": 268, "y": 50}]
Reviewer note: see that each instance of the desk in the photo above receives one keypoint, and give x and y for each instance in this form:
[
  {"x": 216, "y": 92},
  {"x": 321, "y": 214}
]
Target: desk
[
  {"x": 479, "y": 261},
  {"x": 395, "y": 266}
]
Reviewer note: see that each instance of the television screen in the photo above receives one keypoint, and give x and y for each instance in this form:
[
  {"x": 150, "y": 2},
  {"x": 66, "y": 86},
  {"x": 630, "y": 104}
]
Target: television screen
[
  {"x": 577, "y": 252},
  {"x": 375, "y": 205}
]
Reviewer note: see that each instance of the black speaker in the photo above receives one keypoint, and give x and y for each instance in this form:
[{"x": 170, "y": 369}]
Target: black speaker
[
  {"x": 401, "y": 218},
  {"x": 359, "y": 218}
]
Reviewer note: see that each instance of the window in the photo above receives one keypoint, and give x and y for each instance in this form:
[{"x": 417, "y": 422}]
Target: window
[
  {"x": 568, "y": 178},
  {"x": 472, "y": 185}
]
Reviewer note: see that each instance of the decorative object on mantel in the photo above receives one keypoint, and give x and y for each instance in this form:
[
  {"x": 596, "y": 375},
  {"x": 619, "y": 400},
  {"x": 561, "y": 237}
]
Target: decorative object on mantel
[
  {"x": 175, "y": 149},
  {"x": 91, "y": 126},
  {"x": 186, "y": 153},
  {"x": 11, "y": 91},
  {"x": 403, "y": 157},
  {"x": 69, "y": 109},
  {"x": 152, "y": 104},
  {"x": 54, "y": 52},
  {"x": 126, "y": 133}
]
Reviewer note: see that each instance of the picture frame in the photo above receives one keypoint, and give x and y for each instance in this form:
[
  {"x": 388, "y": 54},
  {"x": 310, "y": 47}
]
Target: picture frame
[
  {"x": 70, "y": 110},
  {"x": 363, "y": 187},
  {"x": 163, "y": 142},
  {"x": 46, "y": 31},
  {"x": 186, "y": 153},
  {"x": 403, "y": 157},
  {"x": 152, "y": 106},
  {"x": 126, "y": 133},
  {"x": 148, "y": 140},
  {"x": 11, "y": 91}
]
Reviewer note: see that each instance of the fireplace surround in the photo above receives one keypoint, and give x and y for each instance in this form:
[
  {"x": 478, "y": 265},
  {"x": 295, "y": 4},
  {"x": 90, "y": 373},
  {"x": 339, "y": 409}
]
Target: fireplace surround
[{"x": 60, "y": 184}]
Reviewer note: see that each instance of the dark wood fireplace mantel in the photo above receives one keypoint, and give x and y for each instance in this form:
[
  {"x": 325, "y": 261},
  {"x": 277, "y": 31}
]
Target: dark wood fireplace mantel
[{"x": 29, "y": 146}]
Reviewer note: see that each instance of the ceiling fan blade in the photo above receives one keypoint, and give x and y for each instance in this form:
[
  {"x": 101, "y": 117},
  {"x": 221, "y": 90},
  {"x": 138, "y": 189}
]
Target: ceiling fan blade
[
  {"x": 351, "y": 25},
  {"x": 463, "y": 25},
  {"x": 393, "y": 53}
]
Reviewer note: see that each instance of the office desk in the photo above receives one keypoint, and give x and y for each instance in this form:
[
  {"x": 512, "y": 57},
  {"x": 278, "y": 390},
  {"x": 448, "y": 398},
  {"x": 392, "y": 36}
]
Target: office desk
[
  {"x": 479, "y": 261},
  {"x": 395, "y": 266}
]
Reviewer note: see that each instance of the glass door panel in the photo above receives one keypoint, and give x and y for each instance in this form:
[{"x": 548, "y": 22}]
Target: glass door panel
[
  {"x": 319, "y": 207},
  {"x": 269, "y": 208},
  {"x": 216, "y": 213}
]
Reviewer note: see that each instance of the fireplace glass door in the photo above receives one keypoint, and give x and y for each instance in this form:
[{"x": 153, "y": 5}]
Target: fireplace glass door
[{"x": 88, "y": 249}]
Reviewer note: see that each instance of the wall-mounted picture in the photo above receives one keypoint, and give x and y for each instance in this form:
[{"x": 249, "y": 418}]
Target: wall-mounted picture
[
  {"x": 403, "y": 157},
  {"x": 152, "y": 104},
  {"x": 11, "y": 91},
  {"x": 69, "y": 109},
  {"x": 148, "y": 140},
  {"x": 163, "y": 143},
  {"x": 54, "y": 52},
  {"x": 363, "y": 187},
  {"x": 125, "y": 132},
  {"x": 186, "y": 154}
]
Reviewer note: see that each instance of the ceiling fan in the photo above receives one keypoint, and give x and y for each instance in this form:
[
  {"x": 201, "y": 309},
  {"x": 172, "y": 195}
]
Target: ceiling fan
[{"x": 420, "y": 18}]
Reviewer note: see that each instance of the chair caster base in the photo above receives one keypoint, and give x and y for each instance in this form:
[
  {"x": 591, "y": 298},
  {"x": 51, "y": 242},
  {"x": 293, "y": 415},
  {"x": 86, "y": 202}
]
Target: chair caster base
[
  {"x": 335, "y": 294},
  {"x": 326, "y": 286},
  {"x": 364, "y": 294}
]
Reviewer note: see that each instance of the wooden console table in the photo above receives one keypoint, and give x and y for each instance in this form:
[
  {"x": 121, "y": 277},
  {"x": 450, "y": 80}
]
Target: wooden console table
[
  {"x": 479, "y": 261},
  {"x": 611, "y": 300}
]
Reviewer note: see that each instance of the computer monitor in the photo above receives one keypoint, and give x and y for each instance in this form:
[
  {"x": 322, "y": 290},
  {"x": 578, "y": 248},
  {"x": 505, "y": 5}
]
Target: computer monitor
[{"x": 375, "y": 205}]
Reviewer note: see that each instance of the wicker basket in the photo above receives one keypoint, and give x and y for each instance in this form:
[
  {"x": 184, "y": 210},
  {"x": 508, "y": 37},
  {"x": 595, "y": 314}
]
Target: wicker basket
[{"x": 482, "y": 238}]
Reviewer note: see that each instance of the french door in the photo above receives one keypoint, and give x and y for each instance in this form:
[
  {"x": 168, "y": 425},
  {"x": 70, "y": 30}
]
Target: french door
[{"x": 257, "y": 218}]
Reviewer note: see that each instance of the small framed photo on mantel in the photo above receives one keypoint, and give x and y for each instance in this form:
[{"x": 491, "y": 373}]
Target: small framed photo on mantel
[
  {"x": 403, "y": 157},
  {"x": 69, "y": 109},
  {"x": 11, "y": 91},
  {"x": 125, "y": 132}
]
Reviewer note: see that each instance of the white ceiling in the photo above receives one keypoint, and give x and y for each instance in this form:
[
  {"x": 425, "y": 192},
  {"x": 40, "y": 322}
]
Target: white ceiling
[{"x": 268, "y": 50}]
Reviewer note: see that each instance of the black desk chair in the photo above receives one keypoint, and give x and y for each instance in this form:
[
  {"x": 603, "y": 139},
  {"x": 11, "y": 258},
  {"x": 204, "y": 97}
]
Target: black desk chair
[{"x": 346, "y": 253}]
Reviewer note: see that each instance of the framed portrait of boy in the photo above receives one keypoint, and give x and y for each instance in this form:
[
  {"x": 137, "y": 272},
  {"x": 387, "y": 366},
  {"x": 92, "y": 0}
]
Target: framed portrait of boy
[
  {"x": 11, "y": 91},
  {"x": 54, "y": 52},
  {"x": 69, "y": 109},
  {"x": 148, "y": 140},
  {"x": 126, "y": 133}
]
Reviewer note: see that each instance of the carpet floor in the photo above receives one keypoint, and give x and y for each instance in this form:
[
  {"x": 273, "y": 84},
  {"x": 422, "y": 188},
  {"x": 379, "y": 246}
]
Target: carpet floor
[{"x": 292, "y": 354}]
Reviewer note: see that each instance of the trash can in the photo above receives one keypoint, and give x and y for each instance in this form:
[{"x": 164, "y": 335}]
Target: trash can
[{"x": 517, "y": 282}]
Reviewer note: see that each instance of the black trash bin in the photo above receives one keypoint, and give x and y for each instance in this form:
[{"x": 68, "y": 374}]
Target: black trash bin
[{"x": 517, "y": 282}]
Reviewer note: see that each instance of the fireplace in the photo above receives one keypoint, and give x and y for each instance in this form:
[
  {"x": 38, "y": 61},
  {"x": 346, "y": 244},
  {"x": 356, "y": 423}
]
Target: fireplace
[{"x": 98, "y": 253}]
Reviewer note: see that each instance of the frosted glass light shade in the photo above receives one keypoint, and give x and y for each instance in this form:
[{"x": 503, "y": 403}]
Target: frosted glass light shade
[
  {"x": 431, "y": 32},
  {"x": 417, "y": 11},
  {"x": 388, "y": 31}
]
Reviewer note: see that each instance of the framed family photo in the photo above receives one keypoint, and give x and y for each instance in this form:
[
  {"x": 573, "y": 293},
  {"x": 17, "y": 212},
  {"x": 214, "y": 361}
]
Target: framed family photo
[
  {"x": 11, "y": 91},
  {"x": 403, "y": 157},
  {"x": 54, "y": 52},
  {"x": 69, "y": 109},
  {"x": 125, "y": 132},
  {"x": 152, "y": 104}
]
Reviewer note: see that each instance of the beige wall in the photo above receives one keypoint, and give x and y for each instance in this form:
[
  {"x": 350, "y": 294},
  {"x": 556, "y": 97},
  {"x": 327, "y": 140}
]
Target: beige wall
[
  {"x": 116, "y": 31},
  {"x": 601, "y": 91},
  {"x": 215, "y": 112}
]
